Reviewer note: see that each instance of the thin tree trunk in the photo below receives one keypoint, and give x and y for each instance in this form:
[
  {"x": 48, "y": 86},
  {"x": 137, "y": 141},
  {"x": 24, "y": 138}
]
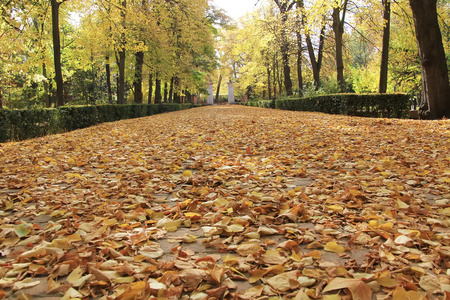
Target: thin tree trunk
[
  {"x": 122, "y": 55},
  {"x": 108, "y": 80},
  {"x": 166, "y": 91},
  {"x": 218, "y": 89},
  {"x": 171, "y": 90},
  {"x": 138, "y": 95},
  {"x": 57, "y": 53},
  {"x": 385, "y": 51},
  {"x": 435, "y": 85},
  {"x": 338, "y": 27},
  {"x": 46, "y": 90},
  {"x": 299, "y": 62},
  {"x": 150, "y": 87},
  {"x": 1, "y": 96},
  {"x": 269, "y": 83},
  {"x": 158, "y": 96}
]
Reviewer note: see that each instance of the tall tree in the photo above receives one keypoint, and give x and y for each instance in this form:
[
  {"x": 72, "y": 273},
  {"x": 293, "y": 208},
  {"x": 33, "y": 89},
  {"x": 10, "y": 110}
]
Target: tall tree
[
  {"x": 316, "y": 63},
  {"x": 339, "y": 12},
  {"x": 122, "y": 56},
  {"x": 385, "y": 50},
  {"x": 285, "y": 6},
  {"x": 57, "y": 52},
  {"x": 435, "y": 81}
]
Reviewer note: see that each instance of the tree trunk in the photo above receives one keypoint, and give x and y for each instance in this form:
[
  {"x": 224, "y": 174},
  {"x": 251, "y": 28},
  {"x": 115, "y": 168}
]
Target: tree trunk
[
  {"x": 269, "y": 83},
  {"x": 299, "y": 62},
  {"x": 158, "y": 96},
  {"x": 385, "y": 51},
  {"x": 166, "y": 91},
  {"x": 171, "y": 90},
  {"x": 138, "y": 95},
  {"x": 338, "y": 28},
  {"x": 46, "y": 90},
  {"x": 57, "y": 53},
  {"x": 218, "y": 89},
  {"x": 285, "y": 55},
  {"x": 150, "y": 87},
  {"x": 435, "y": 85},
  {"x": 108, "y": 80},
  {"x": 121, "y": 88}
]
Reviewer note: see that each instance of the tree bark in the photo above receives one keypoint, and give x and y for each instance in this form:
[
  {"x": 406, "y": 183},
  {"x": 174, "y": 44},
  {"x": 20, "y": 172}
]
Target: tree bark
[
  {"x": 166, "y": 91},
  {"x": 57, "y": 53},
  {"x": 435, "y": 85},
  {"x": 316, "y": 64},
  {"x": 285, "y": 6},
  {"x": 138, "y": 95},
  {"x": 158, "y": 96},
  {"x": 218, "y": 89},
  {"x": 338, "y": 28},
  {"x": 269, "y": 83},
  {"x": 385, "y": 51},
  {"x": 46, "y": 90},
  {"x": 299, "y": 62},
  {"x": 122, "y": 55},
  {"x": 108, "y": 80},
  {"x": 171, "y": 90},
  {"x": 150, "y": 87}
]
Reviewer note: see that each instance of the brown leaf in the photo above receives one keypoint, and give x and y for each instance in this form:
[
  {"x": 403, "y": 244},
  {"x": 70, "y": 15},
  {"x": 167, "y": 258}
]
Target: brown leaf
[{"x": 358, "y": 289}]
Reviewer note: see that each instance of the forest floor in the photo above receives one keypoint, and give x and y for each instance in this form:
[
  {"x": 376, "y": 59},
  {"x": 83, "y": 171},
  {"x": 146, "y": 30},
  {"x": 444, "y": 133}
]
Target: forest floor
[{"x": 229, "y": 202}]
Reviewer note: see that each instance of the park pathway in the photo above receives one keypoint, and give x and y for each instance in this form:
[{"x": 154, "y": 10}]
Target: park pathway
[{"x": 229, "y": 202}]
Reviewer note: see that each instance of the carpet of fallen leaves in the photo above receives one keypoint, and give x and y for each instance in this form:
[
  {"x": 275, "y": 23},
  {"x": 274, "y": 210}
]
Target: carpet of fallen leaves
[{"x": 229, "y": 202}]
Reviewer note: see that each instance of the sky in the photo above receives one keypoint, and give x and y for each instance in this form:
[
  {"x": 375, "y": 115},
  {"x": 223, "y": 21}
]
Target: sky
[{"x": 236, "y": 8}]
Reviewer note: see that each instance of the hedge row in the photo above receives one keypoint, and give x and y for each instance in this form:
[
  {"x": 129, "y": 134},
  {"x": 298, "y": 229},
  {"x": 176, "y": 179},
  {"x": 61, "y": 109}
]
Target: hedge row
[
  {"x": 364, "y": 105},
  {"x": 16, "y": 125}
]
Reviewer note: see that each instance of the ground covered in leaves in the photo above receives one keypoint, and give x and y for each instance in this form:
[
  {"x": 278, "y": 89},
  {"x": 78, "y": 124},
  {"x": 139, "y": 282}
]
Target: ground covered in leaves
[{"x": 229, "y": 202}]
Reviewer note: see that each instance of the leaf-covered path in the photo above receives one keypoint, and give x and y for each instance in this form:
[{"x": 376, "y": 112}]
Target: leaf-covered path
[{"x": 229, "y": 202}]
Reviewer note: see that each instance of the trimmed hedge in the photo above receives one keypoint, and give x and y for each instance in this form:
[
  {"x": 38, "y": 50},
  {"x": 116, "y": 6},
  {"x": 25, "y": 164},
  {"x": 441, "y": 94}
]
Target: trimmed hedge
[
  {"x": 364, "y": 105},
  {"x": 16, "y": 125}
]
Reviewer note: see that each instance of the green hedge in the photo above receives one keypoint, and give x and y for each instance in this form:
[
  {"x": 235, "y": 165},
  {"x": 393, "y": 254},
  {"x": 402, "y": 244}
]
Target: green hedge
[
  {"x": 364, "y": 105},
  {"x": 18, "y": 125}
]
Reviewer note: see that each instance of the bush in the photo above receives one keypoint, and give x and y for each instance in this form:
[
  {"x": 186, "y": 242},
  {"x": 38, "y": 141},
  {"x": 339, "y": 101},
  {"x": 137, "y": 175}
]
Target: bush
[
  {"x": 365, "y": 105},
  {"x": 24, "y": 124}
]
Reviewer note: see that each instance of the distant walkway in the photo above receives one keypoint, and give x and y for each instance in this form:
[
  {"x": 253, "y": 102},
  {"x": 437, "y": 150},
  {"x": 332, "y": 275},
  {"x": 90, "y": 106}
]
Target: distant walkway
[{"x": 227, "y": 201}]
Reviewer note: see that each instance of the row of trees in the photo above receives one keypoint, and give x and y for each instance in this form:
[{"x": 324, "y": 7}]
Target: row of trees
[
  {"x": 308, "y": 47},
  {"x": 57, "y": 52}
]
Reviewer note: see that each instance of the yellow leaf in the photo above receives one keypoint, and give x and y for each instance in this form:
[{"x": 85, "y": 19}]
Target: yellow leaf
[
  {"x": 401, "y": 204},
  {"x": 336, "y": 208},
  {"x": 387, "y": 282},
  {"x": 334, "y": 247},
  {"x": 192, "y": 214},
  {"x": 187, "y": 173}
]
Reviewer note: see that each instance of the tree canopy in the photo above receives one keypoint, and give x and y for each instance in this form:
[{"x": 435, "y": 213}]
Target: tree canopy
[{"x": 117, "y": 51}]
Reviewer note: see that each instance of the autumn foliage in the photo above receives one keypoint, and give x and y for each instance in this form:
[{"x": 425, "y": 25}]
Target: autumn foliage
[{"x": 229, "y": 202}]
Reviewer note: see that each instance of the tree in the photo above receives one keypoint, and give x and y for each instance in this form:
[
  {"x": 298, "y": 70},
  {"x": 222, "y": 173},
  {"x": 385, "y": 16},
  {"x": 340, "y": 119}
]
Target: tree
[
  {"x": 285, "y": 6},
  {"x": 338, "y": 28},
  {"x": 122, "y": 57},
  {"x": 385, "y": 49},
  {"x": 435, "y": 81},
  {"x": 57, "y": 52}
]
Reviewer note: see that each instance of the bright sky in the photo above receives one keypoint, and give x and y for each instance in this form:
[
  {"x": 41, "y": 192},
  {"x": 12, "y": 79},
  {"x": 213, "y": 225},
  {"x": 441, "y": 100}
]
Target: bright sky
[{"x": 236, "y": 8}]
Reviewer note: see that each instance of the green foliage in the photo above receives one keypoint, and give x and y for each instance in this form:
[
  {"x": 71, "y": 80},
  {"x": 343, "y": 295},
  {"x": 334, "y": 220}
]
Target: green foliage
[
  {"x": 364, "y": 105},
  {"x": 18, "y": 125}
]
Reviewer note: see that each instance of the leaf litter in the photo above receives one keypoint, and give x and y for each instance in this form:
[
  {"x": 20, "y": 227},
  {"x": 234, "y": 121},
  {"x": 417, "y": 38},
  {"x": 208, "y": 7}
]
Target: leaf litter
[{"x": 229, "y": 202}]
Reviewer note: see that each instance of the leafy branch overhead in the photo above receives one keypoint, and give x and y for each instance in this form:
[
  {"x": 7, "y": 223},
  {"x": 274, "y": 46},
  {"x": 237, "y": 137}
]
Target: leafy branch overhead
[{"x": 229, "y": 202}]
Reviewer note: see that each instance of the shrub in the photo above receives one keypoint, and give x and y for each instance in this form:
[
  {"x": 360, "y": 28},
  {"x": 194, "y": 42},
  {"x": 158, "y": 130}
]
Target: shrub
[
  {"x": 24, "y": 124},
  {"x": 366, "y": 105}
]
